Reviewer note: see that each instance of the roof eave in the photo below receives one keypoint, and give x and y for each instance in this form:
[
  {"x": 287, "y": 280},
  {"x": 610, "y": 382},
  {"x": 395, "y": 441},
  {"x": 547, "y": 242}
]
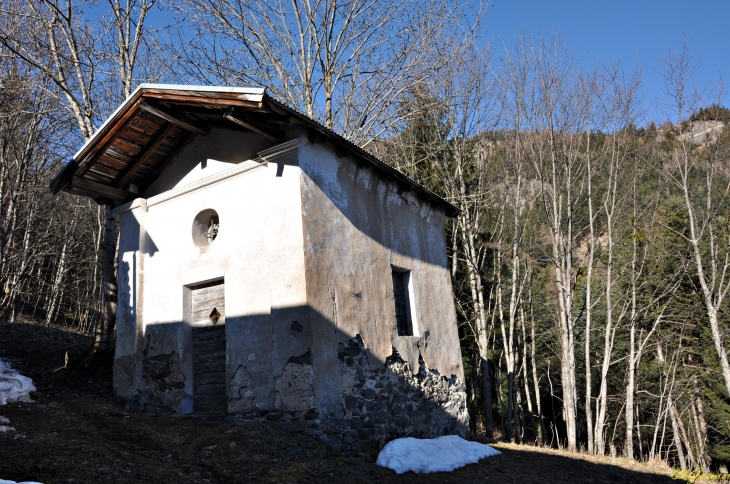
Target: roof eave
[
  {"x": 449, "y": 209},
  {"x": 63, "y": 180}
]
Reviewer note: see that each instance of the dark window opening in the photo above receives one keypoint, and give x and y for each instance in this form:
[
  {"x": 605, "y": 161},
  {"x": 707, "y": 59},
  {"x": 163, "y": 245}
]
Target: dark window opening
[{"x": 402, "y": 304}]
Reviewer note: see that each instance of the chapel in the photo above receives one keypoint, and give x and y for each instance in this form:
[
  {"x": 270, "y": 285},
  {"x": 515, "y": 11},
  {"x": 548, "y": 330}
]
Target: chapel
[{"x": 269, "y": 268}]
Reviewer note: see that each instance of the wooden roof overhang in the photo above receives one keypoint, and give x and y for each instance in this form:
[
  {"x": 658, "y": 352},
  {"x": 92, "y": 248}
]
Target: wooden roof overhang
[{"x": 155, "y": 124}]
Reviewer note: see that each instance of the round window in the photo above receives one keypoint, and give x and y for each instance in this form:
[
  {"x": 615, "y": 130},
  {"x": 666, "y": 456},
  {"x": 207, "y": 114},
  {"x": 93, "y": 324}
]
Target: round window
[{"x": 205, "y": 227}]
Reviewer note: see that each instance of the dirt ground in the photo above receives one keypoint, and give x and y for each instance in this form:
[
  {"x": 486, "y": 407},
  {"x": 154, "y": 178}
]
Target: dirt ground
[{"x": 76, "y": 432}]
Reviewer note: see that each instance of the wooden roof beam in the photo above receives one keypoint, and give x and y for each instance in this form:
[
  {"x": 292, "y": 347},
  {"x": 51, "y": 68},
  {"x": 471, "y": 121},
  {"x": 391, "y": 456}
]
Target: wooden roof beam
[
  {"x": 144, "y": 157},
  {"x": 99, "y": 190},
  {"x": 172, "y": 117},
  {"x": 221, "y": 102},
  {"x": 167, "y": 161},
  {"x": 241, "y": 119},
  {"x": 106, "y": 142}
]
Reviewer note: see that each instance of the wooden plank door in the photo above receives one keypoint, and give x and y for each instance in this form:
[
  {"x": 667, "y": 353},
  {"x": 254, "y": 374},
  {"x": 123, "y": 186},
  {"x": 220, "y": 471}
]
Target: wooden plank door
[{"x": 209, "y": 349}]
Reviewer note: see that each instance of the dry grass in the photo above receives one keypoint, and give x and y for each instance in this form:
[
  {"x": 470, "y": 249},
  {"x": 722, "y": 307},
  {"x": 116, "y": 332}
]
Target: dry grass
[{"x": 654, "y": 467}]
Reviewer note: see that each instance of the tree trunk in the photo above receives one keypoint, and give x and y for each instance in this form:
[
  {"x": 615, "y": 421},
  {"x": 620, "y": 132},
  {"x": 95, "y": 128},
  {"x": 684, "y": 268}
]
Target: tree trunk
[
  {"x": 589, "y": 303},
  {"x": 476, "y": 362},
  {"x": 701, "y": 425},
  {"x": 105, "y": 329},
  {"x": 526, "y": 379},
  {"x": 675, "y": 435},
  {"x": 660, "y": 412},
  {"x": 487, "y": 397},
  {"x": 56, "y": 288},
  {"x": 717, "y": 340},
  {"x": 629, "y": 441},
  {"x": 683, "y": 433},
  {"x": 538, "y": 400}
]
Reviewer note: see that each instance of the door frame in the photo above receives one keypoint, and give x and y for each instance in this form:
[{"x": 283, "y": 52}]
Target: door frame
[{"x": 187, "y": 340}]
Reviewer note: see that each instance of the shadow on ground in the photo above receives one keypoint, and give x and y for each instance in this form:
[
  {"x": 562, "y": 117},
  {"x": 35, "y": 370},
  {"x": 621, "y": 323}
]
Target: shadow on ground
[{"x": 76, "y": 432}]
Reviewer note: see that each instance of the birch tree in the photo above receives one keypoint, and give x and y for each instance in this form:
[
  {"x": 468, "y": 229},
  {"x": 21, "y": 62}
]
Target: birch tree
[
  {"x": 648, "y": 307},
  {"x": 701, "y": 174},
  {"x": 615, "y": 98},
  {"x": 53, "y": 37},
  {"x": 557, "y": 126}
]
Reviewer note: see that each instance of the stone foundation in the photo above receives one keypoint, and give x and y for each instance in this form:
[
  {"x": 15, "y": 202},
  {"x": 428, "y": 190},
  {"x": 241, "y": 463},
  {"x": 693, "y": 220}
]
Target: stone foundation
[
  {"x": 163, "y": 383},
  {"x": 375, "y": 405},
  {"x": 392, "y": 402}
]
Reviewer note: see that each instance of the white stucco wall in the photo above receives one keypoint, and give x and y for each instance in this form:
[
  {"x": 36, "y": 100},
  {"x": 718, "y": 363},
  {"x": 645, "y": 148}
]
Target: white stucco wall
[
  {"x": 206, "y": 156},
  {"x": 258, "y": 252}
]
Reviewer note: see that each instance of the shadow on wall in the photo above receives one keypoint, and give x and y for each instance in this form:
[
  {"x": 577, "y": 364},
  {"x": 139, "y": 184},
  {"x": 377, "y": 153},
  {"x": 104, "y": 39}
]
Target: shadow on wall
[
  {"x": 297, "y": 365},
  {"x": 366, "y": 404},
  {"x": 373, "y": 205}
]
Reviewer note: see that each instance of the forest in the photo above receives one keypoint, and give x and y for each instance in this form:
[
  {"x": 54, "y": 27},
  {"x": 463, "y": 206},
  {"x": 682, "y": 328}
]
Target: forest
[{"x": 590, "y": 262}]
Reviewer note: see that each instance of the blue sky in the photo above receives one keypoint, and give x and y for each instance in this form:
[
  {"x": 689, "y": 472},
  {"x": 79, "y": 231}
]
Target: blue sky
[{"x": 637, "y": 32}]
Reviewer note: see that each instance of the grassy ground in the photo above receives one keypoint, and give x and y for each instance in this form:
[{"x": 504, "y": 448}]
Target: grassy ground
[{"x": 76, "y": 432}]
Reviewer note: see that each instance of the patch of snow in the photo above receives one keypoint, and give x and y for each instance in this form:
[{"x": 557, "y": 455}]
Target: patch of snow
[
  {"x": 423, "y": 456},
  {"x": 4, "y": 427},
  {"x": 14, "y": 387},
  {"x": 3, "y": 481}
]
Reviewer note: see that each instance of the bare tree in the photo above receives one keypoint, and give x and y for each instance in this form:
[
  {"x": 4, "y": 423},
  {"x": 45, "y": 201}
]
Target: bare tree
[
  {"x": 37, "y": 256},
  {"x": 557, "y": 124},
  {"x": 348, "y": 63},
  {"x": 616, "y": 99},
  {"x": 647, "y": 258},
  {"x": 702, "y": 175},
  {"x": 54, "y": 38}
]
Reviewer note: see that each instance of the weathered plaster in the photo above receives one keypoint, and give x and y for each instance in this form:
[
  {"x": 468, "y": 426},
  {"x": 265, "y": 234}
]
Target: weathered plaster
[
  {"x": 242, "y": 396},
  {"x": 305, "y": 249},
  {"x": 356, "y": 226},
  {"x": 130, "y": 297},
  {"x": 294, "y": 390}
]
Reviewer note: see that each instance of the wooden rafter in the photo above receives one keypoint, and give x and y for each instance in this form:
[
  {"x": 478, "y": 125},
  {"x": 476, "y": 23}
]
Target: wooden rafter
[
  {"x": 125, "y": 176},
  {"x": 106, "y": 142},
  {"x": 174, "y": 118},
  {"x": 241, "y": 119},
  {"x": 99, "y": 190},
  {"x": 165, "y": 91},
  {"x": 223, "y": 102},
  {"x": 165, "y": 162}
]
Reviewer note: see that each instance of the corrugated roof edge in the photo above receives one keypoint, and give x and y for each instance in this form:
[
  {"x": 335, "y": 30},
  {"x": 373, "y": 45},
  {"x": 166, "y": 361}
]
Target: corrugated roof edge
[{"x": 450, "y": 209}]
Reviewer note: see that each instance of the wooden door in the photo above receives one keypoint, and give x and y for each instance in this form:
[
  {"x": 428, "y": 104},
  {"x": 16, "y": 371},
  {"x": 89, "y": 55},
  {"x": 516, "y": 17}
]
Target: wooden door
[{"x": 209, "y": 349}]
